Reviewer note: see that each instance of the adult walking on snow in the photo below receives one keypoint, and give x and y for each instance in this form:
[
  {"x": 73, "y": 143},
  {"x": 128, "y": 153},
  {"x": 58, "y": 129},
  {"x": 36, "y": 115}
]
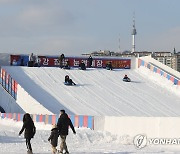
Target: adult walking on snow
[
  {"x": 30, "y": 130},
  {"x": 63, "y": 125}
]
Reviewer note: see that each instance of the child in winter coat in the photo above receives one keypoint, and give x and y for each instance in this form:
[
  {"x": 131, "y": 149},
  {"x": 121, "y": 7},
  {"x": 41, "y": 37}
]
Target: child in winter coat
[{"x": 54, "y": 138}]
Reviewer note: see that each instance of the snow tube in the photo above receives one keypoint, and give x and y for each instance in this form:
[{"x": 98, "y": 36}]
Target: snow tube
[
  {"x": 127, "y": 80},
  {"x": 67, "y": 84},
  {"x": 108, "y": 68}
]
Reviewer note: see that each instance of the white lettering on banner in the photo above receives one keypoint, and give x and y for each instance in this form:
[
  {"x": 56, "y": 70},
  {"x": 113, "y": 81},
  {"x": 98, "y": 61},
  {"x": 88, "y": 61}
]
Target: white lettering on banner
[
  {"x": 64, "y": 62},
  {"x": 45, "y": 61},
  {"x": 93, "y": 63},
  {"x": 39, "y": 60},
  {"x": 56, "y": 62},
  {"x": 85, "y": 62},
  {"x": 99, "y": 63},
  {"x": 76, "y": 62}
]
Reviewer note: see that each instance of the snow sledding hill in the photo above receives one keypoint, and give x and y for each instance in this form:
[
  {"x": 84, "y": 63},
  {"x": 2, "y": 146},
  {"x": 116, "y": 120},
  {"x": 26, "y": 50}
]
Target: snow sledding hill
[{"x": 98, "y": 91}]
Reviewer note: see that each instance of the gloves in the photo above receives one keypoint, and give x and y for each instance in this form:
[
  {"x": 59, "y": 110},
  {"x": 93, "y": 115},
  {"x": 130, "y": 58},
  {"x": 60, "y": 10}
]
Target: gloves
[
  {"x": 74, "y": 133},
  {"x": 19, "y": 133}
]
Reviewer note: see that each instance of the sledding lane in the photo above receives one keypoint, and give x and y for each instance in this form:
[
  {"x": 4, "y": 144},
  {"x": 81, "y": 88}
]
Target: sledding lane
[
  {"x": 141, "y": 94},
  {"x": 98, "y": 92}
]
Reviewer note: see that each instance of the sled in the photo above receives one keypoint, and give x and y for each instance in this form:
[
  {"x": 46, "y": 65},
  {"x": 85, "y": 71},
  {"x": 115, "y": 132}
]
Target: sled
[
  {"x": 127, "y": 80},
  {"x": 68, "y": 84}
]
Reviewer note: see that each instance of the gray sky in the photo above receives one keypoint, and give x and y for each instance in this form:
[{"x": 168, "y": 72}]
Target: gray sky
[{"x": 74, "y": 27}]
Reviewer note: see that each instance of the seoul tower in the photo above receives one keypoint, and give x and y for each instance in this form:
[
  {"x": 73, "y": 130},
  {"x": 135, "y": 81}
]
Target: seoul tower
[{"x": 133, "y": 35}]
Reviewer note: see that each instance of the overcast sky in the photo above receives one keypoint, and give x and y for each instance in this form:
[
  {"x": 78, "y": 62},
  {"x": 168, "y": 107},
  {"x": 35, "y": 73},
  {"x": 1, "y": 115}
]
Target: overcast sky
[{"x": 74, "y": 27}]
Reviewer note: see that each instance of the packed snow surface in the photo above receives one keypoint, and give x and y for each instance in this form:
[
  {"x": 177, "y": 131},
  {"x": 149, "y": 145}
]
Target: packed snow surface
[
  {"x": 86, "y": 141},
  {"x": 99, "y": 91}
]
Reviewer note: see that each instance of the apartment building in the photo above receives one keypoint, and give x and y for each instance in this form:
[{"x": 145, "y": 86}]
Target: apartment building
[
  {"x": 177, "y": 61},
  {"x": 168, "y": 58}
]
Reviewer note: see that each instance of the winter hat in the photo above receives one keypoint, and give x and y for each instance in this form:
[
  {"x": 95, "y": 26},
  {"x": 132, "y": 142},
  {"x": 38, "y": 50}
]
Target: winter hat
[
  {"x": 54, "y": 126},
  {"x": 63, "y": 111}
]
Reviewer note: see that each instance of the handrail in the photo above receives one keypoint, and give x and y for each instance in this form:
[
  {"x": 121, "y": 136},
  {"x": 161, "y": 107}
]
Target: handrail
[{"x": 8, "y": 83}]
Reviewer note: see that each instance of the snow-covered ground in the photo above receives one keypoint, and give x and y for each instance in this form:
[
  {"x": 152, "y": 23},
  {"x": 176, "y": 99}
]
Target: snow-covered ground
[
  {"x": 86, "y": 141},
  {"x": 98, "y": 92}
]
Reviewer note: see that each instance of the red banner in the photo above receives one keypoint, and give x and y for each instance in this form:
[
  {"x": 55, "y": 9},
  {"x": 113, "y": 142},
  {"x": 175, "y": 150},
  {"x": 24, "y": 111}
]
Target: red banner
[
  {"x": 52, "y": 61},
  {"x": 96, "y": 63}
]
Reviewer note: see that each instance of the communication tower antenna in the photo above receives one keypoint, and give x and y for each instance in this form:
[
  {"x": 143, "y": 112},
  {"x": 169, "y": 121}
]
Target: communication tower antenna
[
  {"x": 133, "y": 34},
  {"x": 119, "y": 44}
]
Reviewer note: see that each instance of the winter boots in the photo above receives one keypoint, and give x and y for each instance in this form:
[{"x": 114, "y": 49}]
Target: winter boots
[
  {"x": 60, "y": 152},
  {"x": 29, "y": 152}
]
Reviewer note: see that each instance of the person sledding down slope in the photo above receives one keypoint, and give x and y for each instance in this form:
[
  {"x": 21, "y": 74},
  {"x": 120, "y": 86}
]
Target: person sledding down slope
[
  {"x": 68, "y": 81},
  {"x": 109, "y": 66},
  {"x": 126, "y": 79}
]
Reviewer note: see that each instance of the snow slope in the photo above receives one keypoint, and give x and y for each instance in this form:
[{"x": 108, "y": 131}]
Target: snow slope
[{"x": 99, "y": 91}]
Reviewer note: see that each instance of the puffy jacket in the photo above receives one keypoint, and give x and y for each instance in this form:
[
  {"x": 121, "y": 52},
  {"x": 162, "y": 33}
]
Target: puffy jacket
[
  {"x": 63, "y": 124},
  {"x": 54, "y": 137},
  {"x": 29, "y": 128}
]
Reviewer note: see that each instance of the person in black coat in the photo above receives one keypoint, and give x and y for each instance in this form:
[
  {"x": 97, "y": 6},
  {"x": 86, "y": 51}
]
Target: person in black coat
[
  {"x": 82, "y": 65},
  {"x": 68, "y": 81},
  {"x": 63, "y": 125},
  {"x": 126, "y": 78},
  {"x": 61, "y": 60},
  {"x": 109, "y": 66},
  {"x": 54, "y": 138},
  {"x": 30, "y": 130},
  {"x": 90, "y": 59}
]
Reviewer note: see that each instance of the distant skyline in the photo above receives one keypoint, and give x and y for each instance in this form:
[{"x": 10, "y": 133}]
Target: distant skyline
[{"x": 74, "y": 27}]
